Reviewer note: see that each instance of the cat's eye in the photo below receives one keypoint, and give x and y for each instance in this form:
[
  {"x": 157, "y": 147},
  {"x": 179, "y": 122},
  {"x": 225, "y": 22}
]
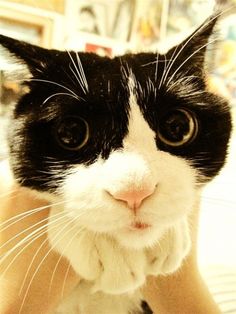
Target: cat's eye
[
  {"x": 72, "y": 133},
  {"x": 178, "y": 127}
]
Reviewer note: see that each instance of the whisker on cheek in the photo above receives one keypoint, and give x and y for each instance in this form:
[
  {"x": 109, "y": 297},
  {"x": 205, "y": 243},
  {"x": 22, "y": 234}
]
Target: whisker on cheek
[
  {"x": 65, "y": 279},
  {"x": 62, "y": 255},
  {"x": 35, "y": 255},
  {"x": 177, "y": 52},
  {"x": 26, "y": 214},
  {"x": 58, "y": 234},
  {"x": 30, "y": 239},
  {"x": 27, "y": 229}
]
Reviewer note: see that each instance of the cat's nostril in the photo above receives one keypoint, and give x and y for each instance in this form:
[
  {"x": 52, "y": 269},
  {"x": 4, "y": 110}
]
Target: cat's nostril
[{"x": 135, "y": 197}]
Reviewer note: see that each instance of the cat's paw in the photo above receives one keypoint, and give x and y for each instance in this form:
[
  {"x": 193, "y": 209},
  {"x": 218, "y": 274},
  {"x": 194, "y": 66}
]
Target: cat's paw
[
  {"x": 84, "y": 257},
  {"x": 167, "y": 256},
  {"x": 123, "y": 269}
]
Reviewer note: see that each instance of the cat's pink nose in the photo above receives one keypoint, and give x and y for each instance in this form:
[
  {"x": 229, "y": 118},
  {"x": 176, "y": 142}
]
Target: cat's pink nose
[{"x": 134, "y": 198}]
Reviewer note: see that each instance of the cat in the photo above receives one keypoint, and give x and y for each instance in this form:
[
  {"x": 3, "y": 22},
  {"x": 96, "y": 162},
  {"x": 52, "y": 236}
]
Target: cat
[{"x": 121, "y": 147}]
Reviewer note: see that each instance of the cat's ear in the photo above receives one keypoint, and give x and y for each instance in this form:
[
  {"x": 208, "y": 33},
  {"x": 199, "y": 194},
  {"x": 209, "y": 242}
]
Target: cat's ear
[
  {"x": 34, "y": 57},
  {"x": 189, "y": 56}
]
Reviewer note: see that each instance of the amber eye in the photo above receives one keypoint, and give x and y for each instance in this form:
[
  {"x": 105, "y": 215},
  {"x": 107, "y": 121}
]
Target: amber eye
[
  {"x": 178, "y": 127},
  {"x": 72, "y": 133}
]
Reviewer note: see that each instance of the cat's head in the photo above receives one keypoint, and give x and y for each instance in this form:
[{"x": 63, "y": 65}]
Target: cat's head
[{"x": 125, "y": 142}]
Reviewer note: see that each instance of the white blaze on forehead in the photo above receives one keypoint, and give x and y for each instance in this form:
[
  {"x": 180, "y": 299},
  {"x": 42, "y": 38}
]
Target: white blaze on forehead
[{"x": 140, "y": 136}]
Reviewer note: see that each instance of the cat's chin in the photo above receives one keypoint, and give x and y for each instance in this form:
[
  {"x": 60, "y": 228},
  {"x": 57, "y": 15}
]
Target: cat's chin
[{"x": 145, "y": 236}]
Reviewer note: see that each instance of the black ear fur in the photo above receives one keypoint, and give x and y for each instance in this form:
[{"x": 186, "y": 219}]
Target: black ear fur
[
  {"x": 191, "y": 52},
  {"x": 36, "y": 58}
]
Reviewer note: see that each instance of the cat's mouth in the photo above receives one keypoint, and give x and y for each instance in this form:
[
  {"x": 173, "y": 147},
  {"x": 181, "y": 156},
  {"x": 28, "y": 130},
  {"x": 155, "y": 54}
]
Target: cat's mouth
[{"x": 138, "y": 225}]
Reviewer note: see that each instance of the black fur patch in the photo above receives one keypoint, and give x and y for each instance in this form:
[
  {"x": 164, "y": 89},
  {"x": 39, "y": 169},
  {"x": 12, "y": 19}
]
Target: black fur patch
[
  {"x": 40, "y": 163},
  {"x": 146, "y": 308}
]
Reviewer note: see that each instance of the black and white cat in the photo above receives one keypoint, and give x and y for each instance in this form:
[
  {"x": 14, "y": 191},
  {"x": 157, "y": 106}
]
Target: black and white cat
[{"x": 125, "y": 145}]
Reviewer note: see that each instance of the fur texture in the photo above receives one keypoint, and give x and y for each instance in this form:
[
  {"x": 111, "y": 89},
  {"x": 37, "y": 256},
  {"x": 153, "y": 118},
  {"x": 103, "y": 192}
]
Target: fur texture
[{"x": 124, "y": 146}]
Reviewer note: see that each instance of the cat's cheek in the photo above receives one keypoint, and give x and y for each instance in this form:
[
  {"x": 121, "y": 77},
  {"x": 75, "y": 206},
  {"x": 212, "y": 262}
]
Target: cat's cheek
[
  {"x": 101, "y": 218},
  {"x": 87, "y": 203}
]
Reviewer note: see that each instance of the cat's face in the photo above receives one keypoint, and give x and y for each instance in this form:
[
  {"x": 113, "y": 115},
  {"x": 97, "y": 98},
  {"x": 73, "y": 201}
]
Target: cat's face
[{"x": 125, "y": 142}]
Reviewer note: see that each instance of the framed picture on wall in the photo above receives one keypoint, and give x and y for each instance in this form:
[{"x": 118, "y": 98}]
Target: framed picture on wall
[
  {"x": 187, "y": 14},
  {"x": 99, "y": 49},
  {"x": 123, "y": 22},
  {"x": 146, "y": 30},
  {"x": 87, "y": 16},
  {"x": 224, "y": 64},
  {"x": 25, "y": 26},
  {"x": 104, "y": 46},
  {"x": 22, "y": 24}
]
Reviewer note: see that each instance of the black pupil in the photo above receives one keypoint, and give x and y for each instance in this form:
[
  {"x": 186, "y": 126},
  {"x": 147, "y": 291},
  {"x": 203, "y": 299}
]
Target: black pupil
[
  {"x": 175, "y": 126},
  {"x": 71, "y": 132}
]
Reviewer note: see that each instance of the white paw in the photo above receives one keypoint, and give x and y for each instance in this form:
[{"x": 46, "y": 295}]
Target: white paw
[
  {"x": 84, "y": 257},
  {"x": 123, "y": 269},
  {"x": 167, "y": 256},
  {"x": 99, "y": 258}
]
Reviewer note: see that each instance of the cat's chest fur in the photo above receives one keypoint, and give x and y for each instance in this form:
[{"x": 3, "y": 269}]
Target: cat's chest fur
[{"x": 81, "y": 301}]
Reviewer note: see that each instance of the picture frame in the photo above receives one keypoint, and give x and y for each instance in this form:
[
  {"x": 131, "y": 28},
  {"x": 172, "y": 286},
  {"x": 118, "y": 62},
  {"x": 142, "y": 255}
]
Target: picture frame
[
  {"x": 91, "y": 17},
  {"x": 147, "y": 23},
  {"x": 26, "y": 26},
  {"x": 185, "y": 14},
  {"x": 99, "y": 49},
  {"x": 32, "y": 25},
  {"x": 223, "y": 60},
  {"x": 124, "y": 20},
  {"x": 81, "y": 41}
]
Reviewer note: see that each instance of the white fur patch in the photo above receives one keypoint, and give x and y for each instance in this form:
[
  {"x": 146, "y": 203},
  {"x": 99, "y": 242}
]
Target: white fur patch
[{"x": 106, "y": 251}]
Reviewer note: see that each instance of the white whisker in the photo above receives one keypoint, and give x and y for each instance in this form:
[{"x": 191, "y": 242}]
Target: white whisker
[
  {"x": 154, "y": 62},
  {"x": 156, "y": 68},
  {"x": 65, "y": 94},
  {"x": 78, "y": 79},
  {"x": 109, "y": 87},
  {"x": 187, "y": 42},
  {"x": 79, "y": 76},
  {"x": 24, "y": 240},
  {"x": 82, "y": 71},
  {"x": 170, "y": 63},
  {"x": 163, "y": 74},
  {"x": 40, "y": 247},
  {"x": 26, "y": 214},
  {"x": 62, "y": 254},
  {"x": 64, "y": 281},
  {"x": 181, "y": 80},
  {"x": 69, "y": 266},
  {"x": 196, "y": 51},
  {"x": 50, "y": 82},
  {"x": 24, "y": 230},
  {"x": 49, "y": 251}
]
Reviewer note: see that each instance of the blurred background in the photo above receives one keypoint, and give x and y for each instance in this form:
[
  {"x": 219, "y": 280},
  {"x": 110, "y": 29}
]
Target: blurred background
[{"x": 113, "y": 27}]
